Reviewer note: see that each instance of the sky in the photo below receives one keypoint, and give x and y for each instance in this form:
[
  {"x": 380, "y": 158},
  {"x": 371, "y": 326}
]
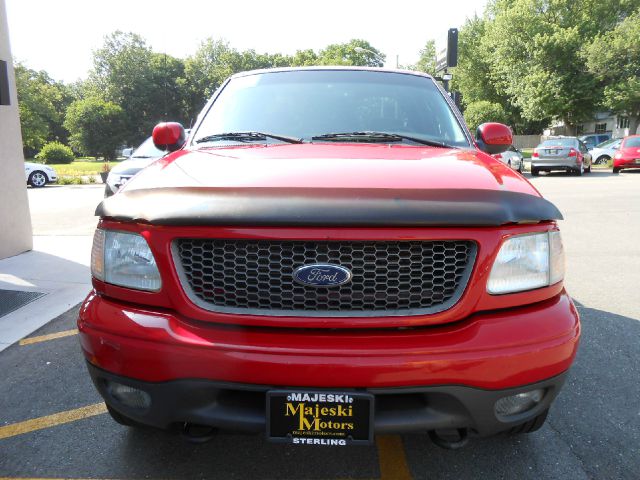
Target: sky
[{"x": 58, "y": 36}]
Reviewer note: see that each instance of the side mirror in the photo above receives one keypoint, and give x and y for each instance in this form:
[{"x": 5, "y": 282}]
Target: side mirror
[
  {"x": 168, "y": 136},
  {"x": 494, "y": 138}
]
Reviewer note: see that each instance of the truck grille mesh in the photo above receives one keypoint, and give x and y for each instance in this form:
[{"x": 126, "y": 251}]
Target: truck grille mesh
[{"x": 389, "y": 278}]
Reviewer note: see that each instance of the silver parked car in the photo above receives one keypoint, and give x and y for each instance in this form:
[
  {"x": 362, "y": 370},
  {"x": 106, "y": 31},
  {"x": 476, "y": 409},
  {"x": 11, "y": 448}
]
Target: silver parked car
[
  {"x": 512, "y": 157},
  {"x": 605, "y": 151},
  {"x": 561, "y": 153}
]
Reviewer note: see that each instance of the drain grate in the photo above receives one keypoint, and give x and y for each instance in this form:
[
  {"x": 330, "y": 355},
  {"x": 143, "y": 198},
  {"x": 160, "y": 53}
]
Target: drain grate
[{"x": 11, "y": 300}]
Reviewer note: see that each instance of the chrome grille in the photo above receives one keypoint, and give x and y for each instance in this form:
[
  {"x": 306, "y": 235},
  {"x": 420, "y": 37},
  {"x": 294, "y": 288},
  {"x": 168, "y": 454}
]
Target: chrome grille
[{"x": 389, "y": 278}]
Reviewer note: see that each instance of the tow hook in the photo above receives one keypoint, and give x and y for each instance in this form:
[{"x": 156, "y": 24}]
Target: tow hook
[
  {"x": 194, "y": 433},
  {"x": 450, "y": 442}
]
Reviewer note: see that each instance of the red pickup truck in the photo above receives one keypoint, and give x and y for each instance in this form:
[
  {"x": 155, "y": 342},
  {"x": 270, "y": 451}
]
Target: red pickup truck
[{"x": 329, "y": 255}]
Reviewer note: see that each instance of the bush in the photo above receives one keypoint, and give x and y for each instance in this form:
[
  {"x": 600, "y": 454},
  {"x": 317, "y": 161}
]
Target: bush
[
  {"x": 55, "y": 152},
  {"x": 482, "y": 111}
]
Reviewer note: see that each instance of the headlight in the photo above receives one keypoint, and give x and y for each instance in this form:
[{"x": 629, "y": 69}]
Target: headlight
[
  {"x": 124, "y": 259},
  {"x": 525, "y": 262}
]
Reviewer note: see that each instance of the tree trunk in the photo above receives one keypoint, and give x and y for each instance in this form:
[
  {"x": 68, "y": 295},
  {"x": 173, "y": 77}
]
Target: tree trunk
[
  {"x": 634, "y": 123},
  {"x": 569, "y": 128}
]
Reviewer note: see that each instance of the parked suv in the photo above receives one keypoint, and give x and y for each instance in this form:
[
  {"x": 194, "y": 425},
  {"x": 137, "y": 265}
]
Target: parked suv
[
  {"x": 593, "y": 140},
  {"x": 566, "y": 154},
  {"x": 605, "y": 151},
  {"x": 330, "y": 255}
]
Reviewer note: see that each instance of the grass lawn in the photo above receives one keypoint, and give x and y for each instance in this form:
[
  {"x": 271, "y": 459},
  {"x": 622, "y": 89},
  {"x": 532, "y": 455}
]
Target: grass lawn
[
  {"x": 526, "y": 152},
  {"x": 79, "y": 167}
]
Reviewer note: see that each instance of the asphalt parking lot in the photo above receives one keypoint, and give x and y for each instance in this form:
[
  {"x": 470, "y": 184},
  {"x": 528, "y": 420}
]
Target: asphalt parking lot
[{"x": 53, "y": 424}]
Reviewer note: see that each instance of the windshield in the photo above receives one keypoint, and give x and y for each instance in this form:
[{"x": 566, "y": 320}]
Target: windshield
[
  {"x": 147, "y": 150},
  {"x": 632, "y": 142},
  {"x": 310, "y": 103},
  {"x": 608, "y": 143},
  {"x": 558, "y": 142}
]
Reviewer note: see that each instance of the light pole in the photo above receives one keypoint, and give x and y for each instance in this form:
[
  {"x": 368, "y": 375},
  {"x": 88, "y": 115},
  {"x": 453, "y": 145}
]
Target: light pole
[{"x": 366, "y": 50}]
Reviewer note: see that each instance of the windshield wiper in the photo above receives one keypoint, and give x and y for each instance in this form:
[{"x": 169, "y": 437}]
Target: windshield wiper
[
  {"x": 378, "y": 137},
  {"x": 247, "y": 137}
]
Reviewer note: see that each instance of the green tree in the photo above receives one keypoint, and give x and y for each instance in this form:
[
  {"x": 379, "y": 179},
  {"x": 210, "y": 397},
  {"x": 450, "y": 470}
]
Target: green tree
[
  {"x": 535, "y": 50},
  {"x": 205, "y": 71},
  {"x": 42, "y": 103},
  {"x": 305, "y": 58},
  {"x": 97, "y": 127},
  {"x": 356, "y": 52},
  {"x": 427, "y": 61},
  {"x": 145, "y": 84},
  {"x": 614, "y": 58},
  {"x": 474, "y": 76},
  {"x": 483, "y": 111}
]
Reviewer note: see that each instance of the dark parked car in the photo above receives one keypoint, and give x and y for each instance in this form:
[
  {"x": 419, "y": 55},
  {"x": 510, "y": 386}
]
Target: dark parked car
[
  {"x": 141, "y": 157},
  {"x": 594, "y": 139}
]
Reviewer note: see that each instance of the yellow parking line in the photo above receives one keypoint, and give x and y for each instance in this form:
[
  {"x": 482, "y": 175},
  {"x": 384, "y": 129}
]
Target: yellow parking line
[
  {"x": 391, "y": 457},
  {"x": 52, "y": 420},
  {"x": 51, "y": 336}
]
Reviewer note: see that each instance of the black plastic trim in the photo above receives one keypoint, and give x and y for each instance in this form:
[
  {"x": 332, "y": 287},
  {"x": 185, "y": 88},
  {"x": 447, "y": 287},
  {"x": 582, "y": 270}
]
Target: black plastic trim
[
  {"x": 350, "y": 207},
  {"x": 242, "y": 407}
]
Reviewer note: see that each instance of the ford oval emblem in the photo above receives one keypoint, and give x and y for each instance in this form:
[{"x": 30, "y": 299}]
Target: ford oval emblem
[{"x": 322, "y": 275}]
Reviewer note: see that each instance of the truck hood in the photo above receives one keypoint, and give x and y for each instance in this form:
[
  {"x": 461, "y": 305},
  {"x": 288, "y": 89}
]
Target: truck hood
[{"x": 329, "y": 184}]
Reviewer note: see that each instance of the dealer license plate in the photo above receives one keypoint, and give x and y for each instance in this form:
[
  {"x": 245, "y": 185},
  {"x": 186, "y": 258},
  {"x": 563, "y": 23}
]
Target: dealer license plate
[{"x": 320, "y": 418}]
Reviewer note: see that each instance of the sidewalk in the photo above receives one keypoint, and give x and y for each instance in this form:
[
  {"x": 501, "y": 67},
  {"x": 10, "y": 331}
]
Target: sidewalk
[{"x": 58, "y": 266}]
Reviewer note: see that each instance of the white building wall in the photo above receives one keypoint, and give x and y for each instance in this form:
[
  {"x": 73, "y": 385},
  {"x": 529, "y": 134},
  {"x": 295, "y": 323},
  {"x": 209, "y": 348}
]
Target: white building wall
[{"x": 15, "y": 221}]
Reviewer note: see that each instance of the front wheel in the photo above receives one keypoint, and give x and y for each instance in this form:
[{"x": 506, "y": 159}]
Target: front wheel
[
  {"x": 603, "y": 160},
  {"x": 616, "y": 170},
  {"x": 535, "y": 172},
  {"x": 37, "y": 179}
]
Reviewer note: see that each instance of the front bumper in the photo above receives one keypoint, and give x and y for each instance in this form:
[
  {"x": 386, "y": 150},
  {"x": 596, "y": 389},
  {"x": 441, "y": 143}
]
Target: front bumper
[
  {"x": 242, "y": 408},
  {"x": 491, "y": 350},
  {"x": 446, "y": 376}
]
